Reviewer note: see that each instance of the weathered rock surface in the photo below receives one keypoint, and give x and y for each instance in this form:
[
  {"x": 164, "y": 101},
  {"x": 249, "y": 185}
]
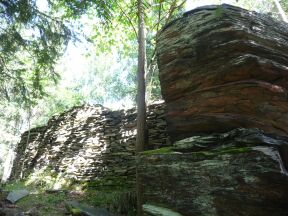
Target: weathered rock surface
[
  {"x": 16, "y": 195},
  {"x": 222, "y": 67},
  {"x": 88, "y": 143},
  {"x": 236, "y": 173},
  {"x": 77, "y": 208}
]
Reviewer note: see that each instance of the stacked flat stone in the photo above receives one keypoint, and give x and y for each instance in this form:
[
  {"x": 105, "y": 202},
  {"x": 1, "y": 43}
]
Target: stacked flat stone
[{"x": 88, "y": 142}]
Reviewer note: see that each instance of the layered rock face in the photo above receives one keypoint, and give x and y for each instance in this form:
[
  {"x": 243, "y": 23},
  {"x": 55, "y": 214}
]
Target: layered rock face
[
  {"x": 223, "y": 73},
  {"x": 222, "y": 68},
  {"x": 88, "y": 143},
  {"x": 224, "y": 174}
]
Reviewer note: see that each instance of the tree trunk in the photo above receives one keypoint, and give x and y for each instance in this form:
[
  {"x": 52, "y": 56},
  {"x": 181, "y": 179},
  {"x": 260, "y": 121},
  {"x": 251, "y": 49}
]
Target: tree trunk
[
  {"x": 141, "y": 105},
  {"x": 280, "y": 10}
]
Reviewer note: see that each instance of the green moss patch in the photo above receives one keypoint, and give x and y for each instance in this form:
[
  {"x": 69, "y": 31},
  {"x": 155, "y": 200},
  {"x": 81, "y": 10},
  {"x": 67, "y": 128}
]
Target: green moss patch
[
  {"x": 216, "y": 152},
  {"x": 164, "y": 150},
  {"x": 235, "y": 150},
  {"x": 212, "y": 152}
]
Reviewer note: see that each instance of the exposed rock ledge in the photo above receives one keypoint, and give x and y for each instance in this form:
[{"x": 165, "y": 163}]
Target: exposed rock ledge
[{"x": 236, "y": 173}]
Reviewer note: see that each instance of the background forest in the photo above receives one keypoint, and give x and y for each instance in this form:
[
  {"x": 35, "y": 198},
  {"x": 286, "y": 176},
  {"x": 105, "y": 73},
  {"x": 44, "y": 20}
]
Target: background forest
[{"x": 60, "y": 54}]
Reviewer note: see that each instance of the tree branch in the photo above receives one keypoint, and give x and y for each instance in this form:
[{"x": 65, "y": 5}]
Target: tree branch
[
  {"x": 128, "y": 18},
  {"x": 281, "y": 11}
]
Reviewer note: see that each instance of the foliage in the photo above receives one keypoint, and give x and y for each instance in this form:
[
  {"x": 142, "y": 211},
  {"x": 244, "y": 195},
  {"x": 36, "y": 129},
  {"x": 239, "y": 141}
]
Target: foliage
[
  {"x": 120, "y": 200},
  {"x": 121, "y": 37},
  {"x": 31, "y": 43},
  {"x": 11, "y": 125},
  {"x": 33, "y": 37},
  {"x": 47, "y": 204},
  {"x": 75, "y": 8},
  {"x": 262, "y": 6},
  {"x": 59, "y": 100},
  {"x": 103, "y": 82},
  {"x": 284, "y": 4},
  {"x": 46, "y": 179}
]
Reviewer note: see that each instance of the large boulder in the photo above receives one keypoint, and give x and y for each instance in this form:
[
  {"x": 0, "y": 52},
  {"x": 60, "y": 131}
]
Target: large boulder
[
  {"x": 241, "y": 173},
  {"x": 223, "y": 67}
]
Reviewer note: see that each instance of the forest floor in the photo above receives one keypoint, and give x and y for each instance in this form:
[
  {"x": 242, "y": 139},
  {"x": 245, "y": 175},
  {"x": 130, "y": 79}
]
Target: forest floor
[{"x": 42, "y": 202}]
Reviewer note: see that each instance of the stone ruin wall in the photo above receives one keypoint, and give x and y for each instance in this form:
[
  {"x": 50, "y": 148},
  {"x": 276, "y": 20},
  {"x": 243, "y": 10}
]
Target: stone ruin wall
[{"x": 88, "y": 143}]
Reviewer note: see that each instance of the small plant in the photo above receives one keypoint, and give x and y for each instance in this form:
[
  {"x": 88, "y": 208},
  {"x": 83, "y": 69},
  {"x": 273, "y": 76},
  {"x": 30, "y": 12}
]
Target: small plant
[
  {"x": 45, "y": 204},
  {"x": 46, "y": 178},
  {"x": 218, "y": 12},
  {"x": 75, "y": 211},
  {"x": 120, "y": 201}
]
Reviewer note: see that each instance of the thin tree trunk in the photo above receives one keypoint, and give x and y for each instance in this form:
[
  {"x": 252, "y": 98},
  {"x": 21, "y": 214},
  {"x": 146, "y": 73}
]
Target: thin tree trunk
[
  {"x": 281, "y": 11},
  {"x": 141, "y": 105}
]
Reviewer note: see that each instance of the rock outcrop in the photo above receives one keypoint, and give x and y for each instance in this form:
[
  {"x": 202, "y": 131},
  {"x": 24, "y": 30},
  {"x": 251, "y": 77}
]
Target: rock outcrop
[
  {"x": 88, "y": 143},
  {"x": 224, "y": 78},
  {"x": 236, "y": 173},
  {"x": 223, "y": 67}
]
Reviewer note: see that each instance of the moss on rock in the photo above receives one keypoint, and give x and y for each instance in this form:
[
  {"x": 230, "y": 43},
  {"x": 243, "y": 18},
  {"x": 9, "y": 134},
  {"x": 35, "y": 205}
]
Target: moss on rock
[{"x": 164, "y": 150}]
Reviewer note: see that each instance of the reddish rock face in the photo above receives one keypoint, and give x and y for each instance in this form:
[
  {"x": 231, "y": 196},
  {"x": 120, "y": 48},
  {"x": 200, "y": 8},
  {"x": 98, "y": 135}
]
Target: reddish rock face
[{"x": 223, "y": 68}]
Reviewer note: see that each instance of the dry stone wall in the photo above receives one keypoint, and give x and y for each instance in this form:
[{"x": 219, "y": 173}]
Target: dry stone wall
[{"x": 87, "y": 143}]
